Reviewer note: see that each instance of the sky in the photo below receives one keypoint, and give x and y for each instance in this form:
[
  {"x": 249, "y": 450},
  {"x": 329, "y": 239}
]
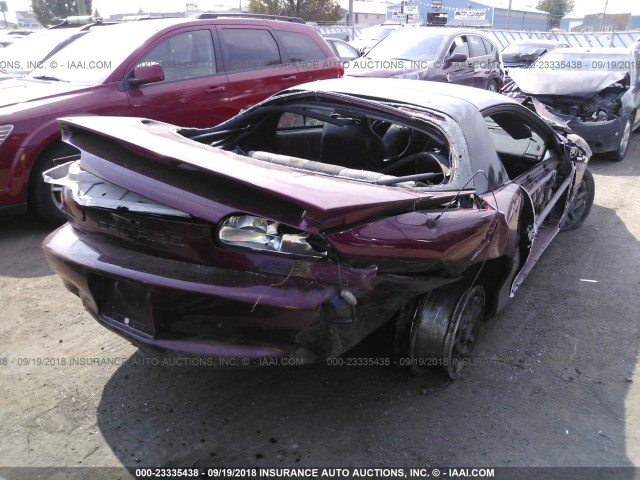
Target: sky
[{"x": 109, "y": 7}]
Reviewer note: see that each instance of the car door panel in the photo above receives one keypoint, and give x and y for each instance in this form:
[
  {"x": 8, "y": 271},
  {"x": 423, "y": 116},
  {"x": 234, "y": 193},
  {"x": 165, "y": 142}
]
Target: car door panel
[
  {"x": 246, "y": 51},
  {"x": 479, "y": 61},
  {"x": 460, "y": 73},
  {"x": 192, "y": 80},
  {"x": 533, "y": 163}
]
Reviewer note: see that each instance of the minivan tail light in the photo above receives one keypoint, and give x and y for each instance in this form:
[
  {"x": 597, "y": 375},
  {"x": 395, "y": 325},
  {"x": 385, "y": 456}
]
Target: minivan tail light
[{"x": 340, "y": 70}]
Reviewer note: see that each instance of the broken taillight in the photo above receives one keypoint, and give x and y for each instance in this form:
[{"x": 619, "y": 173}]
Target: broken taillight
[
  {"x": 257, "y": 233},
  {"x": 70, "y": 206}
]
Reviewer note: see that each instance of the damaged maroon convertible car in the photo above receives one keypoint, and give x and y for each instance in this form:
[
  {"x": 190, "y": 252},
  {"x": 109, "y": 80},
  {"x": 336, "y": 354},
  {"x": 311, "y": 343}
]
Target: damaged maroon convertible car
[{"x": 305, "y": 223}]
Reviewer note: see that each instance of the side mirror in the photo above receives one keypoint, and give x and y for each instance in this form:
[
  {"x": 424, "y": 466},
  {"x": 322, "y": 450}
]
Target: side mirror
[
  {"x": 456, "y": 58},
  {"x": 147, "y": 73}
]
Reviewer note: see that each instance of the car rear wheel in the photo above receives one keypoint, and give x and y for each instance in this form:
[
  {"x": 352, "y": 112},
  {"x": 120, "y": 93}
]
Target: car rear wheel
[
  {"x": 445, "y": 329},
  {"x": 492, "y": 86},
  {"x": 623, "y": 146},
  {"x": 45, "y": 199},
  {"x": 581, "y": 204}
]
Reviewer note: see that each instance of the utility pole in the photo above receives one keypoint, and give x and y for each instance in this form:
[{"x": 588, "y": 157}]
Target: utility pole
[
  {"x": 604, "y": 13},
  {"x": 3, "y": 7},
  {"x": 82, "y": 8},
  {"x": 350, "y": 16},
  {"x": 508, "y": 15}
]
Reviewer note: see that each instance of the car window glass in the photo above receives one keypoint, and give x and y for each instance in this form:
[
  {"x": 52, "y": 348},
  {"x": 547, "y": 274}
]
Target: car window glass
[
  {"x": 459, "y": 46},
  {"x": 636, "y": 64},
  {"x": 476, "y": 47},
  {"x": 248, "y": 49},
  {"x": 488, "y": 46},
  {"x": 517, "y": 143},
  {"x": 87, "y": 60},
  {"x": 409, "y": 44},
  {"x": 293, "y": 120},
  {"x": 301, "y": 48},
  {"x": 345, "y": 51},
  {"x": 185, "y": 55}
]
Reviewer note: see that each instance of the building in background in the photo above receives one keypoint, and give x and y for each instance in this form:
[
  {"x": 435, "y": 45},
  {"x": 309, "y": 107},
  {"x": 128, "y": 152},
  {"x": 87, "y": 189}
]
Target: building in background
[
  {"x": 595, "y": 22},
  {"x": 488, "y": 13},
  {"x": 365, "y": 12}
]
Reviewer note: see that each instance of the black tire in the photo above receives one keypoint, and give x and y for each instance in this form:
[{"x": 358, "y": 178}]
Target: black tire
[
  {"x": 581, "y": 205},
  {"x": 492, "y": 86},
  {"x": 445, "y": 329},
  {"x": 625, "y": 140},
  {"x": 45, "y": 200}
]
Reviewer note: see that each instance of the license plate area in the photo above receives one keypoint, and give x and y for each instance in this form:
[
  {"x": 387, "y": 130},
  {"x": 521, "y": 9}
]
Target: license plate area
[{"x": 127, "y": 304}]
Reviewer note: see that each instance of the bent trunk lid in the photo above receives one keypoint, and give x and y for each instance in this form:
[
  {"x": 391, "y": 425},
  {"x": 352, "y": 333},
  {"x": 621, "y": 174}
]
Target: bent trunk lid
[{"x": 151, "y": 159}]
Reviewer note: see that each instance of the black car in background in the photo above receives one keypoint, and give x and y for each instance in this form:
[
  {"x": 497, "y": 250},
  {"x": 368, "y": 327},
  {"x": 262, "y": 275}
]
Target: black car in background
[{"x": 464, "y": 57}]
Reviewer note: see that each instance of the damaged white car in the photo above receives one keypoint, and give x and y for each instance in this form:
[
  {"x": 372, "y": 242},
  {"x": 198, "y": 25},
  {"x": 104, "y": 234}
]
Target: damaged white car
[{"x": 596, "y": 91}]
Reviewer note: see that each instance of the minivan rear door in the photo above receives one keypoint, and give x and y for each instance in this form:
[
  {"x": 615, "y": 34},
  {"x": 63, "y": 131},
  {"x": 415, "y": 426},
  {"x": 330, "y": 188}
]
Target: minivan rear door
[{"x": 254, "y": 64}]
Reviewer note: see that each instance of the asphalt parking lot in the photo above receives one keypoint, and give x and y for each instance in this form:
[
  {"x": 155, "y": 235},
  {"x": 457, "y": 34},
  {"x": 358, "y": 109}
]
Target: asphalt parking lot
[{"x": 559, "y": 384}]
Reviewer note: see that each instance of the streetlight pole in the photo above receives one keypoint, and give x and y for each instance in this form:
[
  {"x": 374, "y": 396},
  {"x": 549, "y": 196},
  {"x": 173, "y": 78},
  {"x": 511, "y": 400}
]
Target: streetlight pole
[{"x": 508, "y": 15}]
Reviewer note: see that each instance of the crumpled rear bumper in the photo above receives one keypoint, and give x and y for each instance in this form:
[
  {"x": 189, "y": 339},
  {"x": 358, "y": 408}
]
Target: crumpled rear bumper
[{"x": 199, "y": 309}]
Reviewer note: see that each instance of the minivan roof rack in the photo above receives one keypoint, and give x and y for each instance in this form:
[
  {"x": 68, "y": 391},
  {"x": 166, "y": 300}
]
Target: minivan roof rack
[{"x": 263, "y": 16}]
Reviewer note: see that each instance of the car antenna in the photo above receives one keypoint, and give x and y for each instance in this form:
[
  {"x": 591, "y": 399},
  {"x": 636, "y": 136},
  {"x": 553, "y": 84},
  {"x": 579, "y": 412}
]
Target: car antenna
[{"x": 432, "y": 222}]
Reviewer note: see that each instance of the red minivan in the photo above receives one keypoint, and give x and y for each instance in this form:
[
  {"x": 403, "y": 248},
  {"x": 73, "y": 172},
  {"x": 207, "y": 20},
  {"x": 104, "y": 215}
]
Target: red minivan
[{"x": 190, "y": 72}]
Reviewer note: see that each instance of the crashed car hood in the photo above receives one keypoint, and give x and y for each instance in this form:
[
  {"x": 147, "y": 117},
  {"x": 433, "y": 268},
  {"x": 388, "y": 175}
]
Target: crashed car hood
[
  {"x": 151, "y": 159},
  {"x": 570, "y": 83}
]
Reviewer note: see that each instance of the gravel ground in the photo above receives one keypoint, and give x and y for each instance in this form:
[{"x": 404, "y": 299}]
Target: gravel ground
[{"x": 563, "y": 389}]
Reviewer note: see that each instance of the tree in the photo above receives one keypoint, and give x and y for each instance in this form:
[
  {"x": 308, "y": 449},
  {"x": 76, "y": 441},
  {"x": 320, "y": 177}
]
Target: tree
[
  {"x": 310, "y": 10},
  {"x": 46, "y": 11},
  {"x": 557, "y": 9}
]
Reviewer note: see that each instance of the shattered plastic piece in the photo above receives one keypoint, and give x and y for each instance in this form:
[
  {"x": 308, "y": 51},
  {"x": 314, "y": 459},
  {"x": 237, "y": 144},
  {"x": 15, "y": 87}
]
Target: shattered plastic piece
[{"x": 349, "y": 297}]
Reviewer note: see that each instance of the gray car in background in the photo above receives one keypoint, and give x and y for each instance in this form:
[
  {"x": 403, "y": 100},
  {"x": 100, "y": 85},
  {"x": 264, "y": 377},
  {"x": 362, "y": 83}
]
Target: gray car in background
[
  {"x": 522, "y": 53},
  {"x": 596, "y": 91},
  {"x": 463, "y": 57}
]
